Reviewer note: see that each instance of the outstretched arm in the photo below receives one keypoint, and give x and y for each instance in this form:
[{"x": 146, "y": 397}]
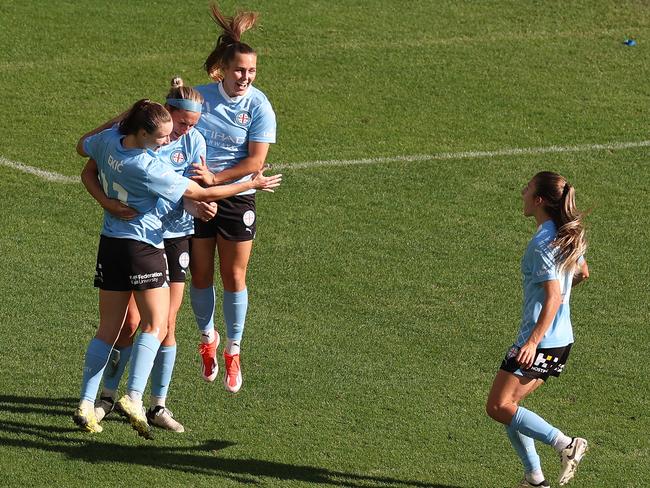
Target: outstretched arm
[{"x": 259, "y": 182}]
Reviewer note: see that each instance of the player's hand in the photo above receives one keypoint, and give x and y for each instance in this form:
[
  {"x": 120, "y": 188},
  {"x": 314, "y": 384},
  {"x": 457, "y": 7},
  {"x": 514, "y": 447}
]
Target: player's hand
[
  {"x": 266, "y": 183},
  {"x": 206, "y": 211},
  {"x": 201, "y": 174},
  {"x": 526, "y": 355},
  {"x": 119, "y": 210}
]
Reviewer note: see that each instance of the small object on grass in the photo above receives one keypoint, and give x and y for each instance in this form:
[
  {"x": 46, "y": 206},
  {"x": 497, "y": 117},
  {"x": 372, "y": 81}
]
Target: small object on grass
[{"x": 629, "y": 42}]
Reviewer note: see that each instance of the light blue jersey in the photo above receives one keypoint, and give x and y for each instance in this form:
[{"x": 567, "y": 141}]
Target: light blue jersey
[
  {"x": 537, "y": 266},
  {"x": 229, "y": 124},
  {"x": 138, "y": 179},
  {"x": 180, "y": 155}
]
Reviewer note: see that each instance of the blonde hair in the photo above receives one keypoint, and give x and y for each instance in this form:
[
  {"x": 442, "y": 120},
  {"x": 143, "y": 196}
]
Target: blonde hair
[
  {"x": 229, "y": 42},
  {"x": 558, "y": 196},
  {"x": 180, "y": 91}
]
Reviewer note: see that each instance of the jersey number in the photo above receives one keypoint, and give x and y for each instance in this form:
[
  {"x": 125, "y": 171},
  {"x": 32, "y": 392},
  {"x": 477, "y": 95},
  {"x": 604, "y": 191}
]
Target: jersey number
[{"x": 122, "y": 194}]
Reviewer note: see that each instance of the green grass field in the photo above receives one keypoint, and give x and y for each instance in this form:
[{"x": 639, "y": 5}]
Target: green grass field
[{"x": 383, "y": 295}]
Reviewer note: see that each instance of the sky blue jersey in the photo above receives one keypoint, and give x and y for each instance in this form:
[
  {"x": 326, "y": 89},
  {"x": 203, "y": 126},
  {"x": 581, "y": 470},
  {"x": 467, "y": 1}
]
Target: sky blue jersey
[
  {"x": 180, "y": 155},
  {"x": 229, "y": 124},
  {"x": 138, "y": 179},
  {"x": 537, "y": 266}
]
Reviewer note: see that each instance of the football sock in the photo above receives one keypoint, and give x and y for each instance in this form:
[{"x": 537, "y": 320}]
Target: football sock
[
  {"x": 524, "y": 446},
  {"x": 232, "y": 347},
  {"x": 156, "y": 402},
  {"x": 561, "y": 442},
  {"x": 112, "y": 381},
  {"x": 532, "y": 425},
  {"x": 235, "y": 306},
  {"x": 94, "y": 364},
  {"x": 161, "y": 374},
  {"x": 86, "y": 404},
  {"x": 143, "y": 355},
  {"x": 203, "y": 300},
  {"x": 535, "y": 477}
]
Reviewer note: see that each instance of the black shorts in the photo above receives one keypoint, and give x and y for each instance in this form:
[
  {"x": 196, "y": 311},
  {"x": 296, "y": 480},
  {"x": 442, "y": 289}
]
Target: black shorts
[
  {"x": 177, "y": 250},
  {"x": 548, "y": 362},
  {"x": 127, "y": 264},
  {"x": 236, "y": 220}
]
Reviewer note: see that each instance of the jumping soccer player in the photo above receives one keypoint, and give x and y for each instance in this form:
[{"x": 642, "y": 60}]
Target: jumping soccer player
[{"x": 238, "y": 124}]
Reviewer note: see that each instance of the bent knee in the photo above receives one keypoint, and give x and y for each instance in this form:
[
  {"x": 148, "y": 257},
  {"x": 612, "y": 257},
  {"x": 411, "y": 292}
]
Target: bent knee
[{"x": 494, "y": 410}]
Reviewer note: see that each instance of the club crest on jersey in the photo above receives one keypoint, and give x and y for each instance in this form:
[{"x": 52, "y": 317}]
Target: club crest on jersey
[
  {"x": 243, "y": 118},
  {"x": 177, "y": 157}
]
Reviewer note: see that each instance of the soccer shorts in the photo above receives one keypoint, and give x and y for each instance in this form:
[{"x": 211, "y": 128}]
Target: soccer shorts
[
  {"x": 177, "y": 250},
  {"x": 548, "y": 362},
  {"x": 127, "y": 264},
  {"x": 236, "y": 220}
]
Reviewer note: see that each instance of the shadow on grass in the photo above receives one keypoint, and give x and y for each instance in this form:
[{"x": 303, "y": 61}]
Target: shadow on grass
[{"x": 203, "y": 459}]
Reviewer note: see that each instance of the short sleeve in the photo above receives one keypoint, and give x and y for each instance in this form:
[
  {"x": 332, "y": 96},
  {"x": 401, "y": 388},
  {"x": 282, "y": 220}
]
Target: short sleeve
[
  {"x": 263, "y": 125},
  {"x": 543, "y": 264},
  {"x": 91, "y": 145}
]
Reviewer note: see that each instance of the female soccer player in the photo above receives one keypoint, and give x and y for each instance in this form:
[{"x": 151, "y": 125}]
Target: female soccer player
[
  {"x": 131, "y": 257},
  {"x": 238, "y": 124},
  {"x": 552, "y": 264},
  {"x": 185, "y": 147}
]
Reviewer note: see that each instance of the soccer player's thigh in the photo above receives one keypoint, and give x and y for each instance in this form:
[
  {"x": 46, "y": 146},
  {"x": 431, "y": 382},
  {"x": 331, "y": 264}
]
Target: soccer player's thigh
[
  {"x": 112, "y": 310},
  {"x": 233, "y": 262},
  {"x": 508, "y": 389},
  {"x": 153, "y": 305}
]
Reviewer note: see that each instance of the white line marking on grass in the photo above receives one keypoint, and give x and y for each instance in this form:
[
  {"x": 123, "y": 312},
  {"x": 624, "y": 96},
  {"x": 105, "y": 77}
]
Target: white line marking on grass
[
  {"x": 59, "y": 178},
  {"x": 465, "y": 155},
  {"x": 41, "y": 173}
]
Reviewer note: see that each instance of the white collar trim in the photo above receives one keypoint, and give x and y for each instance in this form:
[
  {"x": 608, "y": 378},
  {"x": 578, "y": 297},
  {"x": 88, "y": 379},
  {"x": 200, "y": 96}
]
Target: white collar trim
[{"x": 228, "y": 98}]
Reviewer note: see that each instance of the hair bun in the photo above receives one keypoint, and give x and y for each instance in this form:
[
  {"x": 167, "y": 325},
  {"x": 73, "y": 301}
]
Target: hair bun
[{"x": 177, "y": 82}]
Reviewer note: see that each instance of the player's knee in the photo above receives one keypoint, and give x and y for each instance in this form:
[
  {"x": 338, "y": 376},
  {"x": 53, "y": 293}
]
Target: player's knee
[
  {"x": 493, "y": 409},
  {"x": 201, "y": 280},
  {"x": 234, "y": 280}
]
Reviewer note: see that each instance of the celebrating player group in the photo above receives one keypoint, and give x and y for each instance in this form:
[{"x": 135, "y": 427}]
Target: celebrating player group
[{"x": 177, "y": 183}]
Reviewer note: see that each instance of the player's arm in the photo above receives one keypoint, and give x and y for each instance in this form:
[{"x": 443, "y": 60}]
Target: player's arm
[
  {"x": 90, "y": 179},
  {"x": 552, "y": 302},
  {"x": 259, "y": 182},
  {"x": 582, "y": 274},
  {"x": 97, "y": 130},
  {"x": 257, "y": 152}
]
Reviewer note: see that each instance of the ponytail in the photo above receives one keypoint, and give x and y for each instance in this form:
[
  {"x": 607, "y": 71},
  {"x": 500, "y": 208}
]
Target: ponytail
[
  {"x": 559, "y": 202},
  {"x": 229, "y": 42}
]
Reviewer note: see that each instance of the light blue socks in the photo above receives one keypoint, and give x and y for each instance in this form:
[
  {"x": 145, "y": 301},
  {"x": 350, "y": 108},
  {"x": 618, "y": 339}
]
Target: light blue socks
[
  {"x": 525, "y": 448},
  {"x": 203, "y": 300},
  {"x": 114, "y": 371},
  {"x": 235, "y": 306},
  {"x": 532, "y": 425},
  {"x": 94, "y": 364},
  {"x": 161, "y": 374},
  {"x": 144, "y": 352}
]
